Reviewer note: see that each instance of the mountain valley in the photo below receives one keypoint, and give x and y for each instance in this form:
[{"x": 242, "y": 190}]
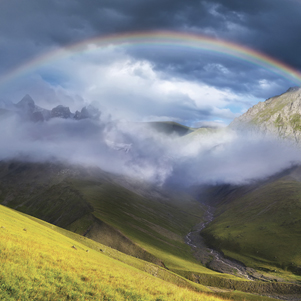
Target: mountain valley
[{"x": 237, "y": 241}]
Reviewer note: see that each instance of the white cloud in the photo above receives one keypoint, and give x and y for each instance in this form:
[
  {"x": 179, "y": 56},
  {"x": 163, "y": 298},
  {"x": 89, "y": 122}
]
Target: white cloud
[{"x": 127, "y": 88}]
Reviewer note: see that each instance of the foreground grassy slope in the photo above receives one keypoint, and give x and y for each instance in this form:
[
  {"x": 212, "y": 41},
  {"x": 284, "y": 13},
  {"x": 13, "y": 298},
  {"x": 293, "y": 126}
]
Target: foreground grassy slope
[
  {"x": 38, "y": 263},
  {"x": 261, "y": 226},
  {"x": 145, "y": 223}
]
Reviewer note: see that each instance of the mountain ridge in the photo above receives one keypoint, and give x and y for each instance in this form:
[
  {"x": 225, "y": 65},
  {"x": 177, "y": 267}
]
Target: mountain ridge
[{"x": 279, "y": 116}]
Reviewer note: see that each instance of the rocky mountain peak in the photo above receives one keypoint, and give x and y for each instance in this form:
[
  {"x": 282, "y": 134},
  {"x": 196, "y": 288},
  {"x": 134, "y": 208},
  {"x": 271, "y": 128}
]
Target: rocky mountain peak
[
  {"x": 293, "y": 89},
  {"x": 26, "y": 104},
  {"x": 27, "y": 99}
]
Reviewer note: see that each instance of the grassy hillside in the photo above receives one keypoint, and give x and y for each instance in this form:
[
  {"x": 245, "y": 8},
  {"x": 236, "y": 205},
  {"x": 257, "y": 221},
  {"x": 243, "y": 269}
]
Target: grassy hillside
[
  {"x": 93, "y": 203},
  {"x": 152, "y": 223},
  {"x": 260, "y": 225},
  {"x": 263, "y": 111},
  {"x": 143, "y": 222},
  {"x": 40, "y": 263}
]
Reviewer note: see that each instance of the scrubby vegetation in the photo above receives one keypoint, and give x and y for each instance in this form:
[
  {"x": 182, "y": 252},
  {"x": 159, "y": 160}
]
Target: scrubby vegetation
[{"x": 295, "y": 122}]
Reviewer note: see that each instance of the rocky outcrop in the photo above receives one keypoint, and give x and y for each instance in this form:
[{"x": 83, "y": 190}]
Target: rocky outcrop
[
  {"x": 279, "y": 116},
  {"x": 87, "y": 112},
  {"x": 26, "y": 105},
  {"x": 61, "y": 112}
]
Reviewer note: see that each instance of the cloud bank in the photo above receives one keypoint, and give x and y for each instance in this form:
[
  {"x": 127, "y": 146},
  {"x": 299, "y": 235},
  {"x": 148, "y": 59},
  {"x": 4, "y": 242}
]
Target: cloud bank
[{"x": 138, "y": 151}]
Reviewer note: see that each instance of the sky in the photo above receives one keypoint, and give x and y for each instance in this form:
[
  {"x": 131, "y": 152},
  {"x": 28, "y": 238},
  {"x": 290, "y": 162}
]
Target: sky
[{"x": 147, "y": 82}]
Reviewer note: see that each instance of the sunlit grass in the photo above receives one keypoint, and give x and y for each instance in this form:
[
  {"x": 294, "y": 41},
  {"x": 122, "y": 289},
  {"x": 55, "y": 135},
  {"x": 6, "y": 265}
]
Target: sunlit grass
[{"x": 38, "y": 263}]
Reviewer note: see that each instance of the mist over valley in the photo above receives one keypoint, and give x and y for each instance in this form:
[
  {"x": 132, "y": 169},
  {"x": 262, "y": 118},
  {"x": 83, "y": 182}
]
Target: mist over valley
[{"x": 141, "y": 150}]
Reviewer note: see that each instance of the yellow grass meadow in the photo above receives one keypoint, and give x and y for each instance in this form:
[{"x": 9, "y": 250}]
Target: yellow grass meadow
[{"x": 38, "y": 263}]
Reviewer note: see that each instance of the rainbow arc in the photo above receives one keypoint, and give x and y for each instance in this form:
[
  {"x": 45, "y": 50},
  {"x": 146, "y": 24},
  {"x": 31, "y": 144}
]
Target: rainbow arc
[{"x": 166, "y": 38}]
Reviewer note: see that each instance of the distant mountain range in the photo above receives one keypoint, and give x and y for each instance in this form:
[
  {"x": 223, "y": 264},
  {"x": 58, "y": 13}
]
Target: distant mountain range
[{"x": 28, "y": 110}]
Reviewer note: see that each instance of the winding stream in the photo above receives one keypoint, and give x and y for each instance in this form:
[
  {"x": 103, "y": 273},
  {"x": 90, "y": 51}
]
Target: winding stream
[
  {"x": 210, "y": 257},
  {"x": 215, "y": 260}
]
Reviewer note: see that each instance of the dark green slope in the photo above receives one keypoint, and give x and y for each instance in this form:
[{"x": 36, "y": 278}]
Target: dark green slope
[
  {"x": 93, "y": 203},
  {"x": 41, "y": 190},
  {"x": 170, "y": 127},
  {"x": 260, "y": 224}
]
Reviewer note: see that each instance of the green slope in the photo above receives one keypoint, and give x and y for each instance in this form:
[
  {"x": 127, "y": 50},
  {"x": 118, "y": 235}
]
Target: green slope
[
  {"x": 90, "y": 202},
  {"x": 42, "y": 262},
  {"x": 260, "y": 224},
  {"x": 39, "y": 261}
]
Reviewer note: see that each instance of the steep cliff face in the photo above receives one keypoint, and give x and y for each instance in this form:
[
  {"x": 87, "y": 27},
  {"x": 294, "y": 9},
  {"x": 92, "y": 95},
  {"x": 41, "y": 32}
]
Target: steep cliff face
[{"x": 279, "y": 115}]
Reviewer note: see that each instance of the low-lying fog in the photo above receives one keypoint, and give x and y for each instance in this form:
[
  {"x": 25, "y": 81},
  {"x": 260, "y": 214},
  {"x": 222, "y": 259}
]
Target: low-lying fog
[{"x": 137, "y": 150}]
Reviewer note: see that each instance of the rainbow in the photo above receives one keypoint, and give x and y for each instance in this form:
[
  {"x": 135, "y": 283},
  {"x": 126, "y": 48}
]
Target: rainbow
[{"x": 164, "y": 38}]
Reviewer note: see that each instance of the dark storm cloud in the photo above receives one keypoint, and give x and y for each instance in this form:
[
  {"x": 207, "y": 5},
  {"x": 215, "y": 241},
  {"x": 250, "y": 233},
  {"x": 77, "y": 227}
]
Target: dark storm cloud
[
  {"x": 268, "y": 25},
  {"x": 271, "y": 27},
  {"x": 214, "y": 70}
]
